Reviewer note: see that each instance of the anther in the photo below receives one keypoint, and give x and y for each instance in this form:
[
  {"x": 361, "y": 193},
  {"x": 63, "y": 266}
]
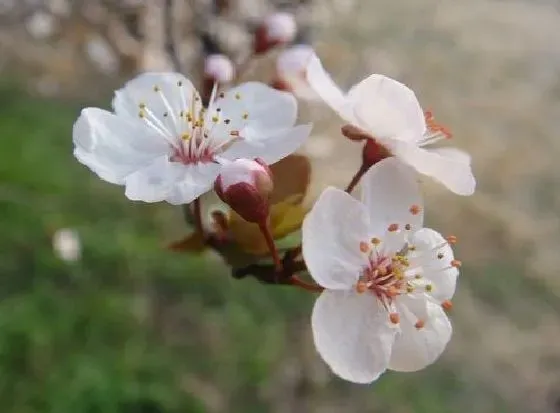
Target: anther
[
  {"x": 364, "y": 247},
  {"x": 245, "y": 116},
  {"x": 218, "y": 109},
  {"x": 142, "y": 105},
  {"x": 222, "y": 95},
  {"x": 215, "y": 119},
  {"x": 180, "y": 83},
  {"x": 237, "y": 96},
  {"x": 361, "y": 287},
  {"x": 394, "y": 318},
  {"x": 456, "y": 263},
  {"x": 227, "y": 121},
  {"x": 452, "y": 239},
  {"x": 419, "y": 324},
  {"x": 440, "y": 255},
  {"x": 407, "y": 227},
  {"x": 409, "y": 289},
  {"x": 418, "y": 276},
  {"x": 414, "y": 209},
  {"x": 375, "y": 241},
  {"x": 429, "y": 288},
  {"x": 185, "y": 136},
  {"x": 234, "y": 133},
  {"x": 141, "y": 114},
  {"x": 393, "y": 227},
  {"x": 156, "y": 88},
  {"x": 447, "y": 305},
  {"x": 165, "y": 114}
]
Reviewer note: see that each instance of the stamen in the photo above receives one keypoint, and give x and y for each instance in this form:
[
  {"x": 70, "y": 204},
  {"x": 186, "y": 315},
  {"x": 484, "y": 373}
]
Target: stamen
[
  {"x": 364, "y": 247},
  {"x": 419, "y": 324},
  {"x": 393, "y": 227},
  {"x": 429, "y": 288},
  {"x": 375, "y": 241},
  {"x": 407, "y": 227},
  {"x": 447, "y": 305},
  {"x": 452, "y": 239},
  {"x": 440, "y": 256},
  {"x": 414, "y": 209},
  {"x": 394, "y": 318},
  {"x": 456, "y": 263}
]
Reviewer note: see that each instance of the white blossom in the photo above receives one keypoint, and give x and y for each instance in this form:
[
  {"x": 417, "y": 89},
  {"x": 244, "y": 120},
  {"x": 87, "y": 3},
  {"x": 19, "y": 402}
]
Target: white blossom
[
  {"x": 389, "y": 112},
  {"x": 162, "y": 145},
  {"x": 67, "y": 245},
  {"x": 387, "y": 280}
]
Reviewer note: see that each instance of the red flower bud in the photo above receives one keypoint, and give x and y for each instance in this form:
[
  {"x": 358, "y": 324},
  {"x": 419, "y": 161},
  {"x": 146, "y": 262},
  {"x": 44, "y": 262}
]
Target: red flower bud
[
  {"x": 245, "y": 185},
  {"x": 277, "y": 28}
]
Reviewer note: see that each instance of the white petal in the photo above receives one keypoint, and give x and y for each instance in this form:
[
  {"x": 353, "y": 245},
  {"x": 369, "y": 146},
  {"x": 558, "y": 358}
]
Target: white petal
[
  {"x": 270, "y": 147},
  {"x": 321, "y": 82},
  {"x": 332, "y": 232},
  {"x": 170, "y": 181},
  {"x": 114, "y": 147},
  {"x": 415, "y": 348},
  {"x": 387, "y": 108},
  {"x": 437, "y": 271},
  {"x": 449, "y": 168},
  {"x": 352, "y": 334},
  {"x": 160, "y": 93},
  {"x": 389, "y": 190}
]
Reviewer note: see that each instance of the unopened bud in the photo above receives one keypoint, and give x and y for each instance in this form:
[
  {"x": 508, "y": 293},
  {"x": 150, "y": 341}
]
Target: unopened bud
[
  {"x": 291, "y": 66},
  {"x": 219, "y": 68},
  {"x": 277, "y": 28},
  {"x": 245, "y": 185}
]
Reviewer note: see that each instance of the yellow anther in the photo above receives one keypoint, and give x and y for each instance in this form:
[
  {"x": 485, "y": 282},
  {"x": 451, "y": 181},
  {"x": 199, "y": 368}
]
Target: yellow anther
[
  {"x": 429, "y": 288},
  {"x": 452, "y": 239},
  {"x": 234, "y": 133},
  {"x": 185, "y": 136},
  {"x": 156, "y": 88},
  {"x": 414, "y": 209},
  {"x": 189, "y": 117},
  {"x": 245, "y": 116},
  {"x": 456, "y": 263},
  {"x": 375, "y": 241},
  {"x": 142, "y": 114},
  {"x": 409, "y": 289},
  {"x": 394, "y": 318},
  {"x": 142, "y": 105},
  {"x": 215, "y": 119},
  {"x": 361, "y": 287},
  {"x": 238, "y": 96},
  {"x": 447, "y": 305},
  {"x": 418, "y": 276},
  {"x": 364, "y": 247},
  {"x": 393, "y": 227},
  {"x": 419, "y": 324}
]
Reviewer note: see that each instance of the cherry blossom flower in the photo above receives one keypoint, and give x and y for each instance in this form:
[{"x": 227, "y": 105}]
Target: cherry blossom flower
[
  {"x": 387, "y": 280},
  {"x": 67, "y": 245},
  {"x": 276, "y": 29},
  {"x": 162, "y": 145},
  {"x": 388, "y": 112},
  {"x": 291, "y": 66}
]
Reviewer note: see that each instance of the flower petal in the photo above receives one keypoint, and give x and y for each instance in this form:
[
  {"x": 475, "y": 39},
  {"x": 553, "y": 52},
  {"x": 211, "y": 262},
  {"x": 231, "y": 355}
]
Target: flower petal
[
  {"x": 352, "y": 334},
  {"x": 448, "y": 166},
  {"x": 271, "y": 146},
  {"x": 161, "y": 93},
  {"x": 321, "y": 82},
  {"x": 170, "y": 181},
  {"x": 391, "y": 194},
  {"x": 416, "y": 348},
  {"x": 425, "y": 259},
  {"x": 332, "y": 233},
  {"x": 114, "y": 147},
  {"x": 387, "y": 108}
]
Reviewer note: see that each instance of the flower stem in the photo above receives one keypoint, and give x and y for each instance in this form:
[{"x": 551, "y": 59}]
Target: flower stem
[
  {"x": 263, "y": 226},
  {"x": 356, "y": 178},
  {"x": 296, "y": 281},
  {"x": 198, "y": 218}
]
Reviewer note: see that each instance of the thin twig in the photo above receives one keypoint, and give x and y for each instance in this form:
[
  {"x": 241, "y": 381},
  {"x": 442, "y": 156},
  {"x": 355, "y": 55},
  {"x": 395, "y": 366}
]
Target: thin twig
[{"x": 170, "y": 45}]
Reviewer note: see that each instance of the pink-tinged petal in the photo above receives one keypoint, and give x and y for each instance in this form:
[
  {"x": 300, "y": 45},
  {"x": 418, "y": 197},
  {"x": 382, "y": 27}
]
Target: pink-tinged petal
[
  {"x": 352, "y": 333},
  {"x": 321, "y": 82},
  {"x": 392, "y": 196},
  {"x": 432, "y": 258},
  {"x": 425, "y": 332},
  {"x": 160, "y": 93},
  {"x": 114, "y": 147},
  {"x": 271, "y": 146},
  {"x": 387, "y": 108},
  {"x": 449, "y": 168},
  {"x": 332, "y": 233},
  {"x": 198, "y": 180}
]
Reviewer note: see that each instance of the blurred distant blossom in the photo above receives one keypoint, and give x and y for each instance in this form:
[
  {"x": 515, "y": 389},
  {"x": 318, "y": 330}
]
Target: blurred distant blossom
[{"x": 67, "y": 245}]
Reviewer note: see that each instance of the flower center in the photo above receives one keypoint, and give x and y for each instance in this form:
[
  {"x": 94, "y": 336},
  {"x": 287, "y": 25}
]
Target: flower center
[
  {"x": 435, "y": 132},
  {"x": 194, "y": 133}
]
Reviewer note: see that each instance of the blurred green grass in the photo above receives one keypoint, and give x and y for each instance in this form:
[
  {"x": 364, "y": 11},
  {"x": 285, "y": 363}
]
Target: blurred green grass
[{"x": 132, "y": 328}]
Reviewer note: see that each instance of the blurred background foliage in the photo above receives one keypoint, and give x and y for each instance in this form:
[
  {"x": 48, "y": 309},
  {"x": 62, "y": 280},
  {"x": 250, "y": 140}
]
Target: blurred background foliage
[{"x": 134, "y": 328}]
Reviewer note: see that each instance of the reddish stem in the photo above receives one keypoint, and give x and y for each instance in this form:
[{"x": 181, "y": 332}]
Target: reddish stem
[
  {"x": 263, "y": 226},
  {"x": 356, "y": 178},
  {"x": 295, "y": 280},
  {"x": 198, "y": 217}
]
